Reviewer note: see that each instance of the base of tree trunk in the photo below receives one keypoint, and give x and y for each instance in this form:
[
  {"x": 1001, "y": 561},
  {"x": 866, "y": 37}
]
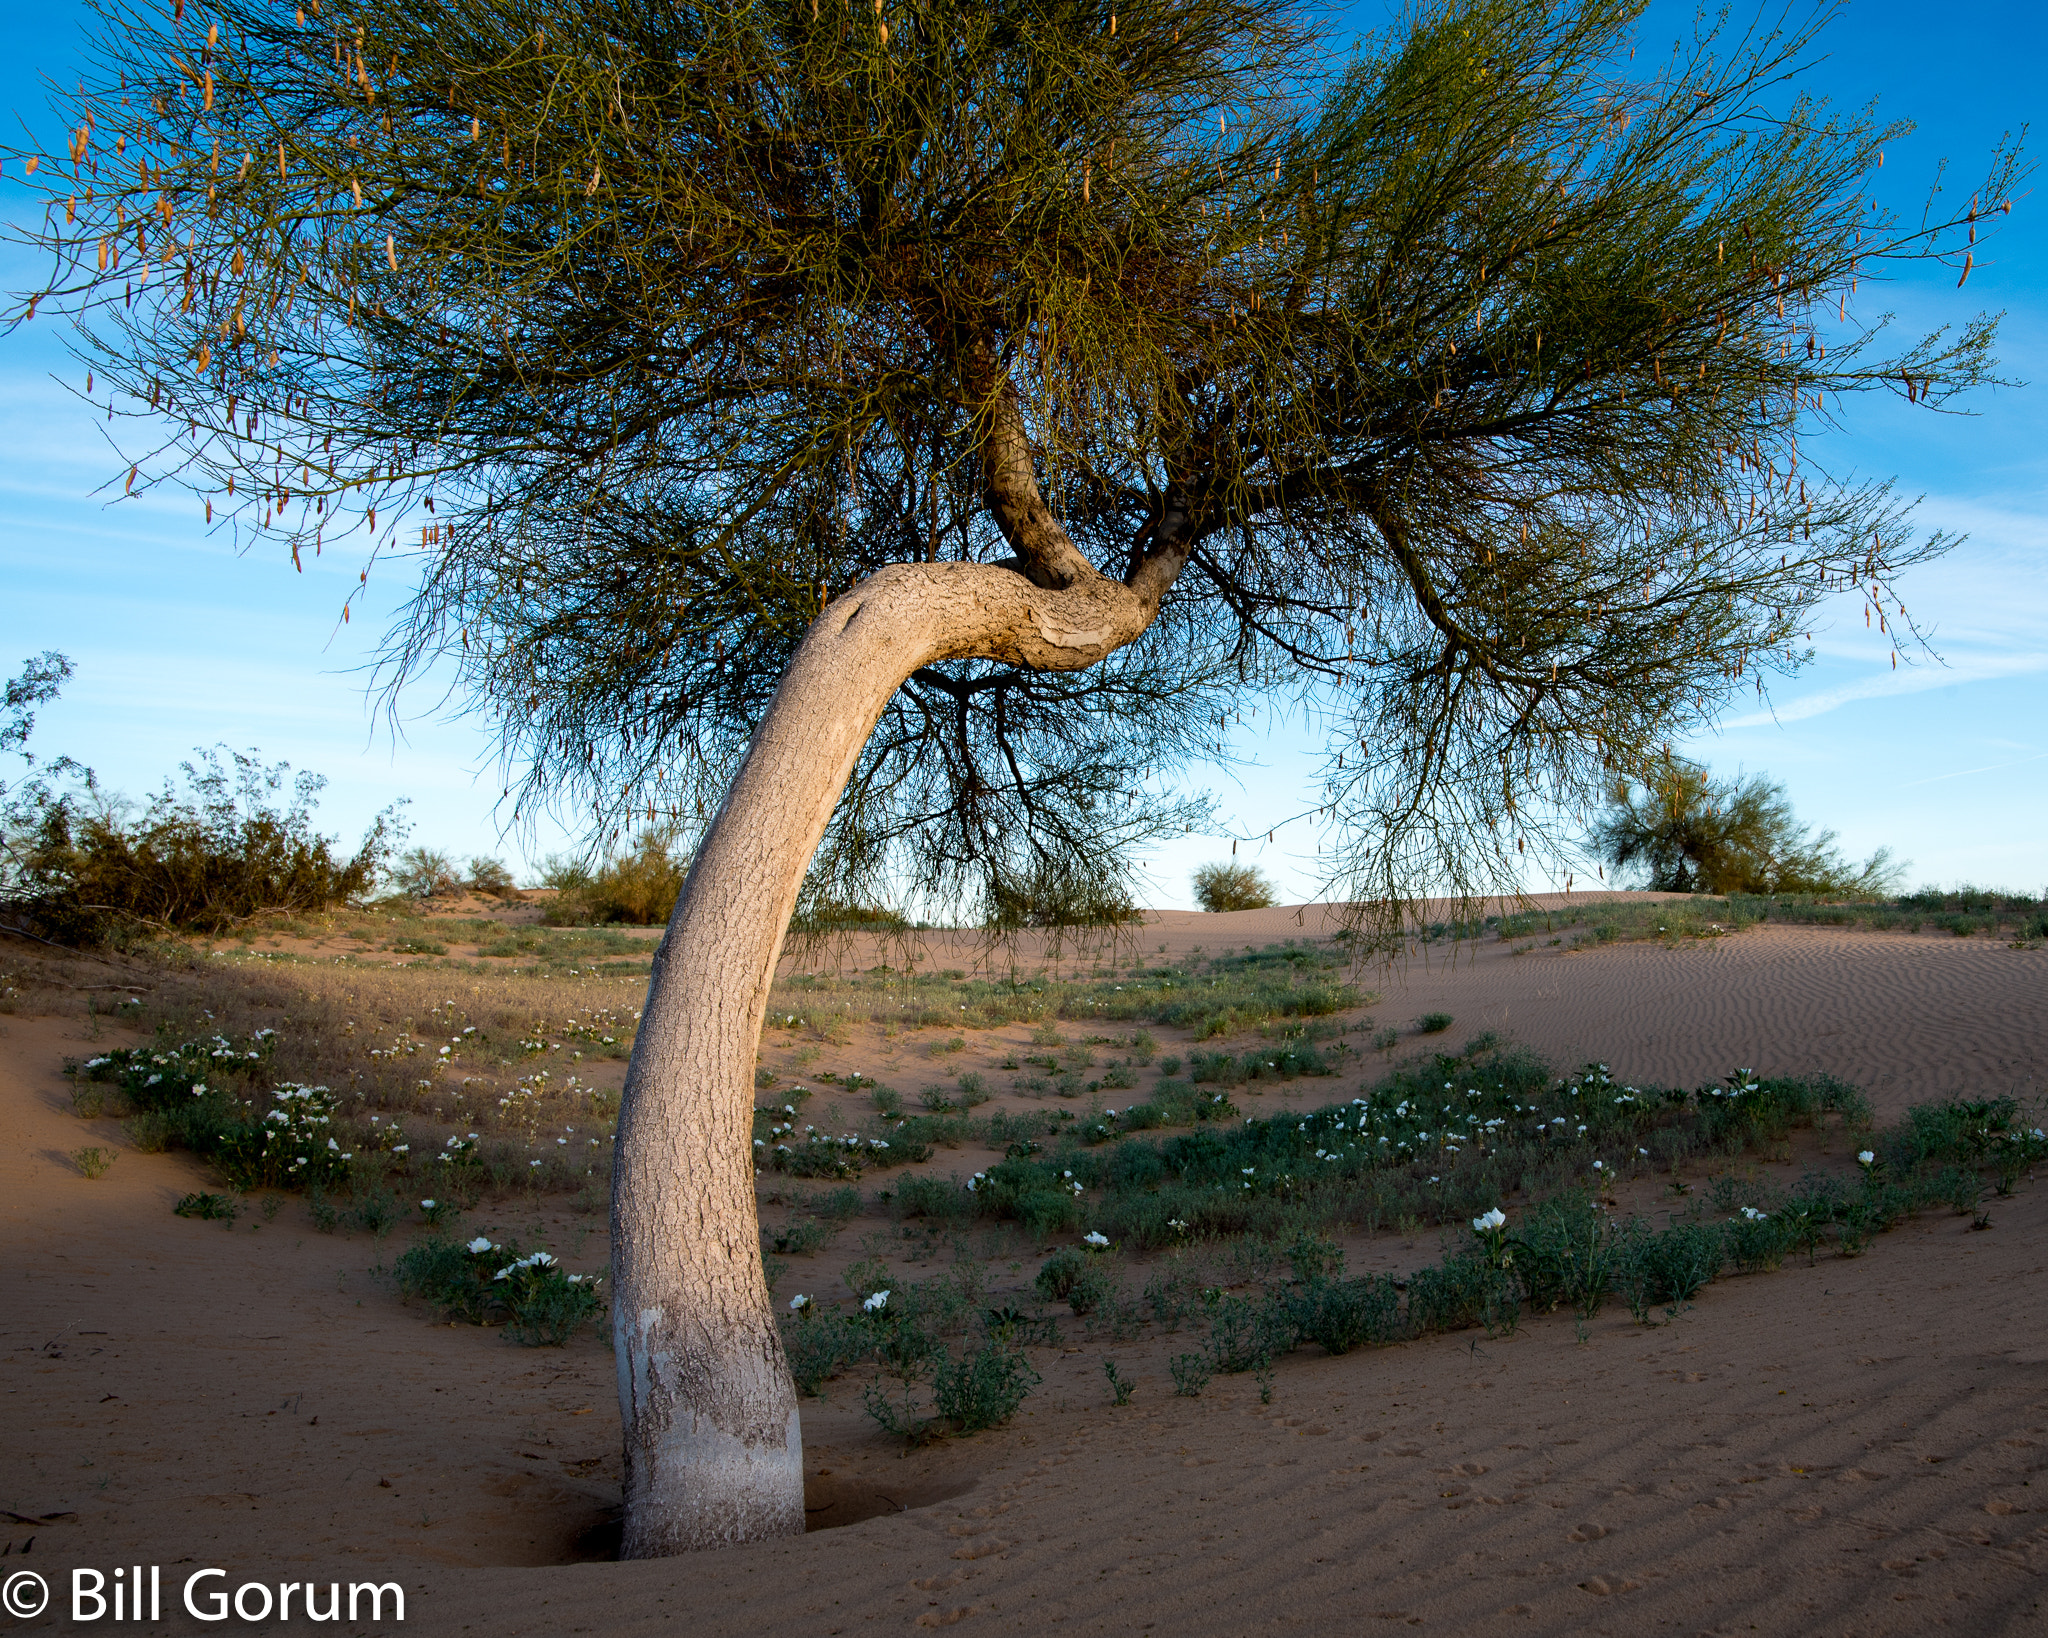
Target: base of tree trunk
[{"x": 696, "y": 1484}]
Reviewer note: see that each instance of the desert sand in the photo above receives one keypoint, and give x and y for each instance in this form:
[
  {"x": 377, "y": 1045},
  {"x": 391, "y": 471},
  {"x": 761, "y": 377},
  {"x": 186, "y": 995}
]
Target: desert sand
[{"x": 1846, "y": 1448}]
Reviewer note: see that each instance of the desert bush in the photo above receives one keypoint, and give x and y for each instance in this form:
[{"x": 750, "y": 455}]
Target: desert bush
[
  {"x": 984, "y": 1388},
  {"x": 1058, "y": 895},
  {"x": 1247, "y": 1335},
  {"x": 490, "y": 878},
  {"x": 1338, "y": 1315},
  {"x": 819, "y": 1346},
  {"x": 531, "y": 1295},
  {"x": 1690, "y": 833},
  {"x": 638, "y": 887},
  {"x": 424, "y": 873},
  {"x": 1223, "y": 886},
  {"x": 227, "y": 850},
  {"x": 1452, "y": 1295},
  {"x": 1060, "y": 1273}
]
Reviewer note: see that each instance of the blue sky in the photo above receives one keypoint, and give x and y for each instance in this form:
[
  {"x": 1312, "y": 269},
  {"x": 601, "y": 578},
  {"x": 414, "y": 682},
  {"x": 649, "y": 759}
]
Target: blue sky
[{"x": 180, "y": 642}]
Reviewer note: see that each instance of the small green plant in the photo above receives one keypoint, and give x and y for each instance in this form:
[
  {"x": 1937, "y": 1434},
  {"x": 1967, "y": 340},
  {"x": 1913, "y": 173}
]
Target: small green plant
[
  {"x": 1434, "y": 1023},
  {"x": 801, "y": 1236},
  {"x": 1120, "y": 1386},
  {"x": 1059, "y": 1274},
  {"x": 1339, "y": 1315},
  {"x": 1244, "y": 1336},
  {"x": 1315, "y": 1257},
  {"x": 1387, "y": 1039},
  {"x": 1173, "y": 1294},
  {"x": 983, "y": 1389},
  {"x": 1191, "y": 1373},
  {"x": 866, "y": 1277},
  {"x": 973, "y": 1090},
  {"x": 375, "y": 1213},
  {"x": 1090, "y": 1291},
  {"x": 212, "y": 1207},
  {"x": 819, "y": 1346},
  {"x": 93, "y": 1162},
  {"x": 888, "y": 1102},
  {"x": 1012, "y": 1326}
]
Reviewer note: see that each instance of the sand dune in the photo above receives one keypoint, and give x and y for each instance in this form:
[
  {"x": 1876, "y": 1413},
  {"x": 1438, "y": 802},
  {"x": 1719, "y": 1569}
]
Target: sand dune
[{"x": 1848, "y": 1448}]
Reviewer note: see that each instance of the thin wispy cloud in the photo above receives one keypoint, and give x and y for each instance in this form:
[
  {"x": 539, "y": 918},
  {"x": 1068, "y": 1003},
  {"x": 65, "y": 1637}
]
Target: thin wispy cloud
[
  {"x": 1913, "y": 679},
  {"x": 1965, "y": 773}
]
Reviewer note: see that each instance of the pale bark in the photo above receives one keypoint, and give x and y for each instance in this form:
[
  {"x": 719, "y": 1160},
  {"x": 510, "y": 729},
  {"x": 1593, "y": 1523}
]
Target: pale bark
[{"x": 713, "y": 1446}]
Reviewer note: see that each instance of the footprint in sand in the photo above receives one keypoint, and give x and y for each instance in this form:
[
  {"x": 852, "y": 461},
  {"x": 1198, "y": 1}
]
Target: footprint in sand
[{"x": 942, "y": 1583}]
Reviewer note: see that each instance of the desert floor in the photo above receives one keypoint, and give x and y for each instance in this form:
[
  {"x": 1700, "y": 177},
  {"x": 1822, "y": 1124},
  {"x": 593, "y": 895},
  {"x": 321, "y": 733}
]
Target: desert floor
[{"x": 1843, "y": 1449}]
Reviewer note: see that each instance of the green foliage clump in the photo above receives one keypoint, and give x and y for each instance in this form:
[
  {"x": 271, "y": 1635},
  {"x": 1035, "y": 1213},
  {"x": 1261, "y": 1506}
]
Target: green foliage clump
[
  {"x": 187, "y": 1095},
  {"x": 539, "y": 1303},
  {"x": 638, "y": 887},
  {"x": 1338, "y": 1315},
  {"x": 425, "y": 873},
  {"x": 1232, "y": 887},
  {"x": 983, "y": 1388},
  {"x": 1687, "y": 832},
  {"x": 227, "y": 851},
  {"x": 1061, "y": 1273},
  {"x": 489, "y": 877}
]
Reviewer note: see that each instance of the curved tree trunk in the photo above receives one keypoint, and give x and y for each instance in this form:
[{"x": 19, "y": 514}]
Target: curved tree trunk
[{"x": 713, "y": 1450}]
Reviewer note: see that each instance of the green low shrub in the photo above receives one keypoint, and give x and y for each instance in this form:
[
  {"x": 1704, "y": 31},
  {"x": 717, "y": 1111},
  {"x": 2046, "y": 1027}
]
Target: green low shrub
[
  {"x": 983, "y": 1389},
  {"x": 538, "y": 1302},
  {"x": 1338, "y": 1315}
]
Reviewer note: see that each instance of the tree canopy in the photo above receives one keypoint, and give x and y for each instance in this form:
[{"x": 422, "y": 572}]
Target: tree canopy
[
  {"x": 1469, "y": 372},
  {"x": 1687, "y": 832}
]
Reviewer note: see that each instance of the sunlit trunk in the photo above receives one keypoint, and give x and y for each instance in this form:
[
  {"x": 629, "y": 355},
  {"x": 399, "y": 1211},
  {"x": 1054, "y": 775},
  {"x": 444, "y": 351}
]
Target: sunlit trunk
[{"x": 714, "y": 1451}]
